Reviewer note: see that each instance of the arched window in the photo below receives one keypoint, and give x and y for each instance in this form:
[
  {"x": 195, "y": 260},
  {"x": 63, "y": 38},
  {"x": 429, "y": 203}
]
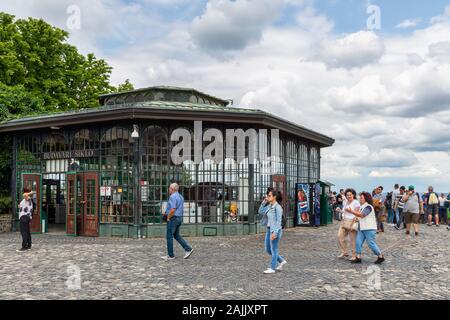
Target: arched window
[
  {"x": 85, "y": 139},
  {"x": 55, "y": 142},
  {"x": 116, "y": 140},
  {"x": 314, "y": 164},
  {"x": 155, "y": 145},
  {"x": 117, "y": 176}
]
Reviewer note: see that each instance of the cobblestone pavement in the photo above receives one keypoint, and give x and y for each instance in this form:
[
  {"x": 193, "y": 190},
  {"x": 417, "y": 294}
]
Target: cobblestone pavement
[{"x": 225, "y": 268}]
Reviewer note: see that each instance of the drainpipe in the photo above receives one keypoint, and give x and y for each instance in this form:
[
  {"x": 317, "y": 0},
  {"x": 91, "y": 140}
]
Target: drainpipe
[
  {"x": 137, "y": 207},
  {"x": 14, "y": 184}
]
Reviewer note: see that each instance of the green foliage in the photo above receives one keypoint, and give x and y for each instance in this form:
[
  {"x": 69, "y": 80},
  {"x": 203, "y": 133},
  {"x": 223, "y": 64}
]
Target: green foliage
[
  {"x": 126, "y": 86},
  {"x": 36, "y": 60},
  {"x": 5, "y": 205},
  {"x": 5, "y": 164},
  {"x": 41, "y": 73},
  {"x": 16, "y": 101}
]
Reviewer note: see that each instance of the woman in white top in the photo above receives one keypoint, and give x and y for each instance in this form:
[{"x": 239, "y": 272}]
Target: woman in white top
[
  {"x": 367, "y": 228},
  {"x": 345, "y": 229}
]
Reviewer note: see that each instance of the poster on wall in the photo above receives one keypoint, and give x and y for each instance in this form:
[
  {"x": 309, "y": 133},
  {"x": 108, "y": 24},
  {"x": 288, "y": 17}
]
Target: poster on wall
[{"x": 303, "y": 203}]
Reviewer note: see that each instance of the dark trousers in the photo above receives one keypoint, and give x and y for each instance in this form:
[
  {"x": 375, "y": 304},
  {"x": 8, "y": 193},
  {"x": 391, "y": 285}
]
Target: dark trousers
[
  {"x": 25, "y": 231},
  {"x": 380, "y": 225},
  {"x": 173, "y": 231}
]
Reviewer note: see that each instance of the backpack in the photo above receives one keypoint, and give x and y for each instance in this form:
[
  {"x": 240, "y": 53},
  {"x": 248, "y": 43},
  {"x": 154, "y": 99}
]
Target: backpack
[{"x": 433, "y": 198}]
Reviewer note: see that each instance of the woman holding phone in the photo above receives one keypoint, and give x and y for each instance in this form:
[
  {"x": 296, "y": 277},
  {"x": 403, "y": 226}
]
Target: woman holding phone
[{"x": 272, "y": 213}]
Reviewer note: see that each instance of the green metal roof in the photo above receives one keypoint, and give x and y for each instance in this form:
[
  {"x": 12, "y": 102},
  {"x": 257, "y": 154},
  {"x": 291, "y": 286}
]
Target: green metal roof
[
  {"x": 219, "y": 101},
  {"x": 164, "y": 110}
]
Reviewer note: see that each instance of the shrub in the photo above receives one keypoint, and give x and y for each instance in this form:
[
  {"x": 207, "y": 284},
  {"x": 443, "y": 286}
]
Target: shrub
[{"x": 5, "y": 205}]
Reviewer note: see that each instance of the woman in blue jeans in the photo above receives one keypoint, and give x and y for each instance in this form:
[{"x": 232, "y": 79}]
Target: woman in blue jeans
[
  {"x": 272, "y": 213},
  {"x": 367, "y": 229}
]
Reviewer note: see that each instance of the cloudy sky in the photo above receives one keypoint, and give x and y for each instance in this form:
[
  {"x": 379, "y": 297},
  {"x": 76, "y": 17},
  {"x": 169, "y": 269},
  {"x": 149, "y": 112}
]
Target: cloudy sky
[{"x": 380, "y": 87}]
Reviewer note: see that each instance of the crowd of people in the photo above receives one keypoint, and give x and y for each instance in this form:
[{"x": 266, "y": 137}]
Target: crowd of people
[{"x": 364, "y": 217}]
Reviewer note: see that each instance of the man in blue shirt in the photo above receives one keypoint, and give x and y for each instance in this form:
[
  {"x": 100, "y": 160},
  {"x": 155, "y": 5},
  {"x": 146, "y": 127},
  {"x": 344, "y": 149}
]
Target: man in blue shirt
[{"x": 174, "y": 213}]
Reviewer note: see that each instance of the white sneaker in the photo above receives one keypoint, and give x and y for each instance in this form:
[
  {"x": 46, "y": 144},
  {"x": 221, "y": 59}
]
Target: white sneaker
[
  {"x": 269, "y": 271},
  {"x": 280, "y": 266},
  {"x": 188, "y": 253},
  {"x": 167, "y": 258}
]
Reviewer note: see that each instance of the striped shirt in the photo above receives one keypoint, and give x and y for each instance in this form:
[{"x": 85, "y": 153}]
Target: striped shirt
[{"x": 399, "y": 201}]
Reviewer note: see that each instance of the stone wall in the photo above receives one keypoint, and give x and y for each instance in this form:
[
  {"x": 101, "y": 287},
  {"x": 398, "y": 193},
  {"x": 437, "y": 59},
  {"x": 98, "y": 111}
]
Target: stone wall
[{"x": 5, "y": 223}]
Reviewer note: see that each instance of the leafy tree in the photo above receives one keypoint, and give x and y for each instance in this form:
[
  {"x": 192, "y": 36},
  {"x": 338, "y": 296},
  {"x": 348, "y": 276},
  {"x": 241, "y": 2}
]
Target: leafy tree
[
  {"x": 126, "y": 86},
  {"x": 41, "y": 73}
]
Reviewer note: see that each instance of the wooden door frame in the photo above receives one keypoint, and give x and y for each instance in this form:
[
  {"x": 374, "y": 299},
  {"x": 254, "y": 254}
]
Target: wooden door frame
[
  {"x": 75, "y": 231},
  {"x": 86, "y": 176},
  {"x": 83, "y": 177}
]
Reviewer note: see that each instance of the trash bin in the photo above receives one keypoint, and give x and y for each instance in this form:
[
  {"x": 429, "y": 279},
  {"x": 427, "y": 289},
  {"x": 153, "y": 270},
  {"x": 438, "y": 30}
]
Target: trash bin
[{"x": 326, "y": 211}]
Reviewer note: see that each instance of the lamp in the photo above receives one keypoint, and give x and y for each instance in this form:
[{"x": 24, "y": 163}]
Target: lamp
[{"x": 135, "y": 133}]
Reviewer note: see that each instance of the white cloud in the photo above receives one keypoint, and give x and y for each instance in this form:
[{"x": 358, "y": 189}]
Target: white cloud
[
  {"x": 232, "y": 25},
  {"x": 353, "y": 50},
  {"x": 409, "y": 23},
  {"x": 385, "y": 98}
]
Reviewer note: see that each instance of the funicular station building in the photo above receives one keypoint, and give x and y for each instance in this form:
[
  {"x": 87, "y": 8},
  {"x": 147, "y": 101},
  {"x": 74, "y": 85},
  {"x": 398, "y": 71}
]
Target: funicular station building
[{"x": 105, "y": 171}]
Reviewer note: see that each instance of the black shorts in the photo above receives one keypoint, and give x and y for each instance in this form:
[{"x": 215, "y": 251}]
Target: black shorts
[{"x": 433, "y": 209}]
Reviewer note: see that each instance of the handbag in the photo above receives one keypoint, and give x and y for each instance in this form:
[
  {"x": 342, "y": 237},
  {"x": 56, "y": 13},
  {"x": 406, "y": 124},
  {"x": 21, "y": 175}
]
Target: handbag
[
  {"x": 347, "y": 224},
  {"x": 355, "y": 226}
]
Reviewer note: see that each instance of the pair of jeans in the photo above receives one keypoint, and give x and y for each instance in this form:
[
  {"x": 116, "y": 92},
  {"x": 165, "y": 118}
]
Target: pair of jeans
[
  {"x": 400, "y": 217},
  {"x": 25, "y": 231},
  {"x": 390, "y": 215},
  {"x": 272, "y": 248},
  {"x": 368, "y": 235},
  {"x": 173, "y": 231}
]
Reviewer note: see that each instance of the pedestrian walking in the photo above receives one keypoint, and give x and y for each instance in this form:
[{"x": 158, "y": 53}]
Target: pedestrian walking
[
  {"x": 423, "y": 216},
  {"x": 447, "y": 205},
  {"x": 367, "y": 228},
  {"x": 442, "y": 209},
  {"x": 272, "y": 212},
  {"x": 388, "y": 203},
  {"x": 395, "y": 195},
  {"x": 413, "y": 208},
  {"x": 379, "y": 206},
  {"x": 431, "y": 200},
  {"x": 174, "y": 215},
  {"x": 26, "y": 210},
  {"x": 345, "y": 228},
  {"x": 398, "y": 207}
]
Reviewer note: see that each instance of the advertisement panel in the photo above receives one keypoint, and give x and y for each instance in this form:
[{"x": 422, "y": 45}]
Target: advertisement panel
[
  {"x": 303, "y": 203},
  {"x": 316, "y": 201}
]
